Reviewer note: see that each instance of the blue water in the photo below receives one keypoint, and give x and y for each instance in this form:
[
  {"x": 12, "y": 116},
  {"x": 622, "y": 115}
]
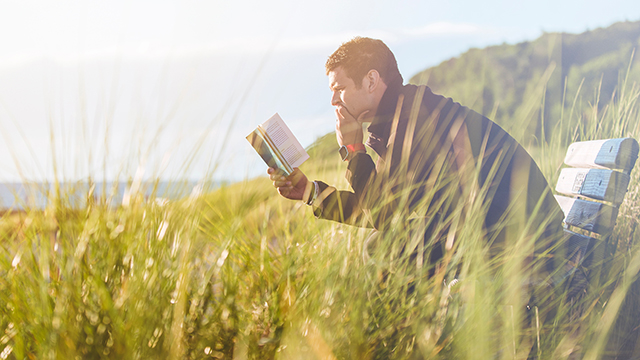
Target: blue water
[{"x": 20, "y": 196}]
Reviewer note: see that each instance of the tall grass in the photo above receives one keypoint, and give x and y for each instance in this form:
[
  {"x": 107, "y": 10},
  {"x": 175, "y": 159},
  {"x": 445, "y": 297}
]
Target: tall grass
[{"x": 242, "y": 273}]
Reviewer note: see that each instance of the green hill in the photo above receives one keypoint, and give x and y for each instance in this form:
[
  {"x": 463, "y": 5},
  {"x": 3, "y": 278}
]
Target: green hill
[{"x": 511, "y": 83}]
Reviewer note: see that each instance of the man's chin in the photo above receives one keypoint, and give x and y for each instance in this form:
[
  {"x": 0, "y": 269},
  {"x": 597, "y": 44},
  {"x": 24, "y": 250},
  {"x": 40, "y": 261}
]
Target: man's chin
[
  {"x": 365, "y": 119},
  {"x": 349, "y": 112}
]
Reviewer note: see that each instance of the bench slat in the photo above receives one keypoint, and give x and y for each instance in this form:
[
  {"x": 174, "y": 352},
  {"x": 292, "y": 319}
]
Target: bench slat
[
  {"x": 588, "y": 215},
  {"x": 611, "y": 153},
  {"x": 599, "y": 184}
]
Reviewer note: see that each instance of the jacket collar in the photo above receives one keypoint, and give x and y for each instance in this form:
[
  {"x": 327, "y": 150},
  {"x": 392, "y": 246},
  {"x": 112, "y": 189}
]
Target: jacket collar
[
  {"x": 381, "y": 123},
  {"x": 380, "y": 126}
]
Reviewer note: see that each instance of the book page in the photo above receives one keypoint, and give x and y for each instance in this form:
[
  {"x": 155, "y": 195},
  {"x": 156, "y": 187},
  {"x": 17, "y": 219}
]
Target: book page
[
  {"x": 285, "y": 141},
  {"x": 268, "y": 155}
]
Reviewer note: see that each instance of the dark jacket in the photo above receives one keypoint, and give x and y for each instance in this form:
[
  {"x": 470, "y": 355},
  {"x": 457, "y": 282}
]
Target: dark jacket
[{"x": 435, "y": 159}]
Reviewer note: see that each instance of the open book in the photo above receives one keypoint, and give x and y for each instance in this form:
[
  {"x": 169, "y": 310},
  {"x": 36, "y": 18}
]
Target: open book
[{"x": 277, "y": 145}]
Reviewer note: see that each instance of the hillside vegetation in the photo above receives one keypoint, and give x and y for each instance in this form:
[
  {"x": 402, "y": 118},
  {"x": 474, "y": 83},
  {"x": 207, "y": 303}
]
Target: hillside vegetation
[{"x": 537, "y": 83}]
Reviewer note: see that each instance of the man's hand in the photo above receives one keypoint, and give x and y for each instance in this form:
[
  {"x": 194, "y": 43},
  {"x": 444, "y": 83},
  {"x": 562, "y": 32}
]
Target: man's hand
[
  {"x": 291, "y": 187},
  {"x": 348, "y": 128}
]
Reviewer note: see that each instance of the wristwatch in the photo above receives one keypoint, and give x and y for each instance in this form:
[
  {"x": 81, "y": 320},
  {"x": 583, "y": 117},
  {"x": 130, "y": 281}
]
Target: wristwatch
[{"x": 346, "y": 150}]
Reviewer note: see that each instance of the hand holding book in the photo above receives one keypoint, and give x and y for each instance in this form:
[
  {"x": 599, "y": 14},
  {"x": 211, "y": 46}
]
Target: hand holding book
[{"x": 295, "y": 186}]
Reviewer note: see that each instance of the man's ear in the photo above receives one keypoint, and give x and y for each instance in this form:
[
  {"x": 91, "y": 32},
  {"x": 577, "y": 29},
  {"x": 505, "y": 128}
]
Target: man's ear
[{"x": 373, "y": 80}]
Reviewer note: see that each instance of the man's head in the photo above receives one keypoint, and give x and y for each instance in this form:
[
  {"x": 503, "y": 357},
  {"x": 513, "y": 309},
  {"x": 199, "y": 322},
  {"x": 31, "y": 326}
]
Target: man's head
[
  {"x": 359, "y": 73},
  {"x": 359, "y": 55}
]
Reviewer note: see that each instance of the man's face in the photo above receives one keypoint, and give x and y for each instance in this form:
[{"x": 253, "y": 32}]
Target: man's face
[{"x": 346, "y": 95}]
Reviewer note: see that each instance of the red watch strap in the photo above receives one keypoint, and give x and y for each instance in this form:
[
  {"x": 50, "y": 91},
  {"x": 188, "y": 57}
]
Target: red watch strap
[{"x": 355, "y": 147}]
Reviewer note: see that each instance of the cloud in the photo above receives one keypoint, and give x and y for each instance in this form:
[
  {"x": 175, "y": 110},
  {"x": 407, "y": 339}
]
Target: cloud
[
  {"x": 447, "y": 29},
  {"x": 261, "y": 44},
  {"x": 246, "y": 45}
]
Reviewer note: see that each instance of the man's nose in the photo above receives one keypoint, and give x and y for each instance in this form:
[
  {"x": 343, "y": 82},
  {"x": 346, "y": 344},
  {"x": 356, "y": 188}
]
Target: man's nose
[{"x": 335, "y": 98}]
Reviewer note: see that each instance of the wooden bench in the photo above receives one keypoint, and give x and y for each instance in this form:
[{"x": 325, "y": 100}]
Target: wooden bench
[{"x": 590, "y": 193}]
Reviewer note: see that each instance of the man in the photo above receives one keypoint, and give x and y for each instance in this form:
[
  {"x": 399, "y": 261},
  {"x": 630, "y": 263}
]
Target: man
[{"x": 438, "y": 163}]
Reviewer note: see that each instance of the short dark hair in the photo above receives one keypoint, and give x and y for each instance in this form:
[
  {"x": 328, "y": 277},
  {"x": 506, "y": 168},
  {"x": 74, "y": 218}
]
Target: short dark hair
[{"x": 359, "y": 55}]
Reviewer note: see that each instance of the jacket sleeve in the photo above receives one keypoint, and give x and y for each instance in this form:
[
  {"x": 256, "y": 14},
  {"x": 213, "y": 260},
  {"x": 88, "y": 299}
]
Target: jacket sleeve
[{"x": 342, "y": 205}]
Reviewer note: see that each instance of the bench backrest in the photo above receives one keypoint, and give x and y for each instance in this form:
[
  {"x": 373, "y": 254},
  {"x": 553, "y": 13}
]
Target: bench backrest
[
  {"x": 599, "y": 171},
  {"x": 590, "y": 192}
]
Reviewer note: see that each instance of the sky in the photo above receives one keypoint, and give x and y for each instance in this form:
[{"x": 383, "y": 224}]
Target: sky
[{"x": 170, "y": 89}]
